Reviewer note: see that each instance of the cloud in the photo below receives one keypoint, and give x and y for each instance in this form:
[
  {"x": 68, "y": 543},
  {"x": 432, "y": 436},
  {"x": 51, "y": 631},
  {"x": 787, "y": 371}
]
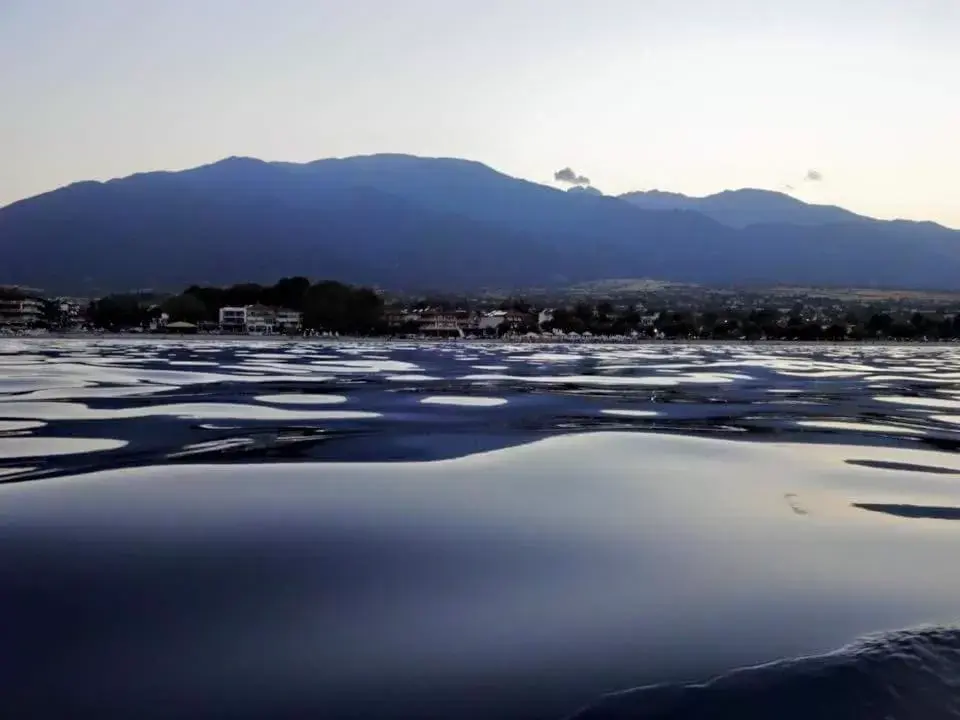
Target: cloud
[
  {"x": 567, "y": 175},
  {"x": 813, "y": 176}
]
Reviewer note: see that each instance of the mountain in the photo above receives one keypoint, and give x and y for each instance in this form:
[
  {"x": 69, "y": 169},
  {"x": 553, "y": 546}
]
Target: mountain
[
  {"x": 740, "y": 208},
  {"x": 407, "y": 222}
]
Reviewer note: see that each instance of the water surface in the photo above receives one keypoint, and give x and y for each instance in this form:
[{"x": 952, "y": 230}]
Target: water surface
[{"x": 242, "y": 529}]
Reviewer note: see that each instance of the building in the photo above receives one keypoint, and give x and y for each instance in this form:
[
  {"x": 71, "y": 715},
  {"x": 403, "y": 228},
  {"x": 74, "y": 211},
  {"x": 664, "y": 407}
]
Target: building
[
  {"x": 288, "y": 319},
  {"x": 21, "y": 311},
  {"x": 160, "y": 322},
  {"x": 499, "y": 321},
  {"x": 490, "y": 322},
  {"x": 70, "y": 311},
  {"x": 259, "y": 319},
  {"x": 440, "y": 322},
  {"x": 233, "y": 319}
]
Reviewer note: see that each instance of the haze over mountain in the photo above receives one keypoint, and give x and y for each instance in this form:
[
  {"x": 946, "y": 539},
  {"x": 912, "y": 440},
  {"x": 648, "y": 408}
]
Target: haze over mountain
[{"x": 407, "y": 222}]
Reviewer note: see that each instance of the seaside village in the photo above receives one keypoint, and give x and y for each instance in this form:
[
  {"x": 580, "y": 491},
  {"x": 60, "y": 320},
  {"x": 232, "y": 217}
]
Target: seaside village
[
  {"x": 35, "y": 315},
  {"x": 683, "y": 315}
]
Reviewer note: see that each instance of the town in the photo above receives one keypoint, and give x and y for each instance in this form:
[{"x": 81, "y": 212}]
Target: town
[{"x": 620, "y": 312}]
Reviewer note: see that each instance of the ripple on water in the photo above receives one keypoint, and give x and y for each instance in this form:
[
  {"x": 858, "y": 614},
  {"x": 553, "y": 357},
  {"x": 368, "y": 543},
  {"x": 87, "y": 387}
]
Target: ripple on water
[
  {"x": 18, "y": 426},
  {"x": 31, "y": 447},
  {"x": 302, "y": 399},
  {"x": 412, "y": 377},
  {"x": 628, "y": 412},
  {"x": 931, "y": 402},
  {"x": 464, "y": 401},
  {"x": 859, "y": 427},
  {"x": 195, "y": 411},
  {"x": 603, "y": 380}
]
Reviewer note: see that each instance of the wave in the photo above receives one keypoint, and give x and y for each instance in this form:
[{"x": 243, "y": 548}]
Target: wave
[{"x": 902, "y": 675}]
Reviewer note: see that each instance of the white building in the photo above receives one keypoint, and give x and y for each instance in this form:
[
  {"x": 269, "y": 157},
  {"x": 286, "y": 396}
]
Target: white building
[
  {"x": 261, "y": 319},
  {"x": 233, "y": 319},
  {"x": 20, "y": 311},
  {"x": 258, "y": 319}
]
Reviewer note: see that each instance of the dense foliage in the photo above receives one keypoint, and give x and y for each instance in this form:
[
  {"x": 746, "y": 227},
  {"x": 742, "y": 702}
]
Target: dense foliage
[
  {"x": 336, "y": 307},
  {"x": 756, "y": 324},
  {"x": 326, "y": 306}
]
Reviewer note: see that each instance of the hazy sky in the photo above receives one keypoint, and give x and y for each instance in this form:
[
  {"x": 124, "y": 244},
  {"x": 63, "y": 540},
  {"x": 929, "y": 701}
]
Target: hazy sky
[{"x": 693, "y": 96}]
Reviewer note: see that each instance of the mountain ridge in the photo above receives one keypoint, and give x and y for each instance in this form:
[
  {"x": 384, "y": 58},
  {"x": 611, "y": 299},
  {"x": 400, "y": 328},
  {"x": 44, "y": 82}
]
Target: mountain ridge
[
  {"x": 409, "y": 222},
  {"x": 818, "y": 213}
]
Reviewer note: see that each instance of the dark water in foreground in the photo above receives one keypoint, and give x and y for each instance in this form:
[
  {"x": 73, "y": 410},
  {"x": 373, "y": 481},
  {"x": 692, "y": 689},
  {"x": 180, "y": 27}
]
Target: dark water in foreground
[{"x": 305, "y": 530}]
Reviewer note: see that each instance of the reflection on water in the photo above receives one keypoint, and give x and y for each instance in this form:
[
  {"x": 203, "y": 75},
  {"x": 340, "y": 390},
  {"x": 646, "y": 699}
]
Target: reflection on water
[
  {"x": 243, "y": 529},
  {"x": 913, "y": 511},
  {"x": 147, "y": 397}
]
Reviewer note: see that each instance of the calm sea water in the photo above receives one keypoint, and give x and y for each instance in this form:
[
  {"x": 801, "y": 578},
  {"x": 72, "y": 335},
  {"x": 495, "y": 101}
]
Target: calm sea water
[{"x": 253, "y": 529}]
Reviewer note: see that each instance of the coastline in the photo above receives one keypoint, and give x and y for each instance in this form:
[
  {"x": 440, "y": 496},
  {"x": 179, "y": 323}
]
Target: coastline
[{"x": 539, "y": 341}]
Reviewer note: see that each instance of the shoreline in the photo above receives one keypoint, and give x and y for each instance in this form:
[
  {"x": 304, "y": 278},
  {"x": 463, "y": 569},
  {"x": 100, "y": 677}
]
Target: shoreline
[{"x": 200, "y": 337}]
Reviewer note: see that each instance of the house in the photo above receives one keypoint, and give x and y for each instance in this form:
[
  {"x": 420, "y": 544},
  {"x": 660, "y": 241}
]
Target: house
[
  {"x": 69, "y": 311},
  {"x": 21, "y": 311},
  {"x": 261, "y": 319},
  {"x": 258, "y": 319},
  {"x": 517, "y": 320},
  {"x": 233, "y": 319},
  {"x": 442, "y": 322},
  {"x": 160, "y": 322},
  {"x": 490, "y": 322},
  {"x": 288, "y": 319}
]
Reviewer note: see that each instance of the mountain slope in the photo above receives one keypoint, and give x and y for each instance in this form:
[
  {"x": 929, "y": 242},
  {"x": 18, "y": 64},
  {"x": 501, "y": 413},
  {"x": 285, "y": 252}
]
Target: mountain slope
[
  {"x": 740, "y": 208},
  {"x": 420, "y": 223},
  {"x": 98, "y": 238}
]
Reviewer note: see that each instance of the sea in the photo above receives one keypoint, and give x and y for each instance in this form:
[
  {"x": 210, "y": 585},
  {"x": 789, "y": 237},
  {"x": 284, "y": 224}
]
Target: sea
[{"x": 318, "y": 529}]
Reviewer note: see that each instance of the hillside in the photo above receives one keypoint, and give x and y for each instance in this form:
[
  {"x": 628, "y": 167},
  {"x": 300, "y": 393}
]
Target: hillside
[
  {"x": 740, "y": 208},
  {"x": 406, "y": 222}
]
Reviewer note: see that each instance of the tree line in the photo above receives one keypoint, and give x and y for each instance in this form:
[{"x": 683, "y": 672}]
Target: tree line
[
  {"x": 326, "y": 305},
  {"x": 337, "y": 307},
  {"x": 757, "y": 324}
]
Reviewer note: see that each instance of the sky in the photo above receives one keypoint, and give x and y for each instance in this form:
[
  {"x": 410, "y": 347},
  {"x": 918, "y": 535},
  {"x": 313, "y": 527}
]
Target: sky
[{"x": 692, "y": 96}]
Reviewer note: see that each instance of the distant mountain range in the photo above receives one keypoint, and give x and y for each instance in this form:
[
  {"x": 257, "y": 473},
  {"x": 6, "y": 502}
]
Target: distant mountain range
[
  {"x": 740, "y": 208},
  {"x": 405, "y": 222}
]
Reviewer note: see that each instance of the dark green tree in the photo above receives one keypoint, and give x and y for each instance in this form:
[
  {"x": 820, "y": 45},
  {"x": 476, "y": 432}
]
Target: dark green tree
[
  {"x": 118, "y": 312},
  {"x": 334, "y": 307},
  {"x": 186, "y": 308}
]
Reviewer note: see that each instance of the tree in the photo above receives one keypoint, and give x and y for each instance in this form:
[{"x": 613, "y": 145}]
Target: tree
[
  {"x": 809, "y": 331},
  {"x": 244, "y": 294},
  {"x": 335, "y": 307},
  {"x": 752, "y": 331},
  {"x": 213, "y": 298},
  {"x": 835, "y": 332},
  {"x": 566, "y": 321},
  {"x": 584, "y": 312},
  {"x": 605, "y": 310},
  {"x": 117, "y": 312},
  {"x": 289, "y": 292},
  {"x": 879, "y": 324},
  {"x": 902, "y": 330},
  {"x": 185, "y": 308}
]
